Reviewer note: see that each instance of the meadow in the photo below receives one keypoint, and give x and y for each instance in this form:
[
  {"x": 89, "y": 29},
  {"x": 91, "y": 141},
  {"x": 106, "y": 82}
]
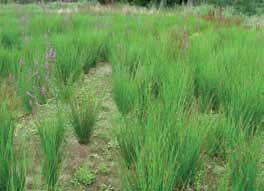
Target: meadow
[{"x": 130, "y": 99}]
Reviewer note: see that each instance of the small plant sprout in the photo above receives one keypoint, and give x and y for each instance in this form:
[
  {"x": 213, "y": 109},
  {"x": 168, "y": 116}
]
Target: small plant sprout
[
  {"x": 104, "y": 169},
  {"x": 84, "y": 176}
]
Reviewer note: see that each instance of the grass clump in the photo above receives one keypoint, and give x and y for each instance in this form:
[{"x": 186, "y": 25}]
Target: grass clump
[
  {"x": 130, "y": 138},
  {"x": 12, "y": 162},
  {"x": 7, "y": 129},
  {"x": 11, "y": 35},
  {"x": 94, "y": 49},
  {"x": 244, "y": 166},
  {"x": 222, "y": 136},
  {"x": 124, "y": 92},
  {"x": 51, "y": 132},
  {"x": 167, "y": 159},
  {"x": 83, "y": 117}
]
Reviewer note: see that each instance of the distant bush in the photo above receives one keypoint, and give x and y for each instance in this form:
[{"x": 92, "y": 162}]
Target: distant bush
[
  {"x": 250, "y": 6},
  {"x": 245, "y": 6}
]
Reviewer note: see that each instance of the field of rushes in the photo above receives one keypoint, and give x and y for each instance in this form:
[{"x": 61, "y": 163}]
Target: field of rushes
[{"x": 189, "y": 90}]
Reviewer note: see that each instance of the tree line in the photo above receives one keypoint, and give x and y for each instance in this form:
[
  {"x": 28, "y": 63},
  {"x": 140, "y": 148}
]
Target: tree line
[{"x": 245, "y": 6}]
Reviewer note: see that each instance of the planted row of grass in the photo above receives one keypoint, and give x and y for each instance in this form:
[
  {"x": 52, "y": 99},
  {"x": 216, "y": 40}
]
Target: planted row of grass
[
  {"x": 161, "y": 139},
  {"x": 15, "y": 158},
  {"x": 13, "y": 167},
  {"x": 156, "y": 142},
  {"x": 38, "y": 66},
  {"x": 39, "y": 76},
  {"x": 221, "y": 64}
]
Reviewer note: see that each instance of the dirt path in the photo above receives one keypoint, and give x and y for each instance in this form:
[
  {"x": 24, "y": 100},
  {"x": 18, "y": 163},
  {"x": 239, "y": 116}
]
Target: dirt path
[{"x": 100, "y": 154}]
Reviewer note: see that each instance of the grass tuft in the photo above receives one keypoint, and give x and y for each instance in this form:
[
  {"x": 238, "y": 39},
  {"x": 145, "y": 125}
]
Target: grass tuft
[
  {"x": 51, "y": 132},
  {"x": 83, "y": 117}
]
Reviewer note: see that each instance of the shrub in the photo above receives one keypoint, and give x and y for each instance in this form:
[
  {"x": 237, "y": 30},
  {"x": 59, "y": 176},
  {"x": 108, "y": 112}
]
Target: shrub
[{"x": 83, "y": 117}]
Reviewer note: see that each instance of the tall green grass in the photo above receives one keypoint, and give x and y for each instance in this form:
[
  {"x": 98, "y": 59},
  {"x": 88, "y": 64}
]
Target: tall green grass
[
  {"x": 244, "y": 166},
  {"x": 160, "y": 155},
  {"x": 7, "y": 139},
  {"x": 8, "y": 62},
  {"x": 52, "y": 135},
  {"x": 11, "y": 33},
  {"x": 156, "y": 142},
  {"x": 93, "y": 48},
  {"x": 12, "y": 162},
  {"x": 83, "y": 117}
]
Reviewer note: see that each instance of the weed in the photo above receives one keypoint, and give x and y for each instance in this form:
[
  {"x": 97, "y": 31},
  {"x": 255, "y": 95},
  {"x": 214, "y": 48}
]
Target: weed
[
  {"x": 84, "y": 176},
  {"x": 104, "y": 169}
]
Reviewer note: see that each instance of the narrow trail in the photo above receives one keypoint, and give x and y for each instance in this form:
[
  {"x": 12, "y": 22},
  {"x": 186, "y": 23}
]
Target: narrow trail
[
  {"x": 100, "y": 155},
  {"x": 101, "y": 151}
]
